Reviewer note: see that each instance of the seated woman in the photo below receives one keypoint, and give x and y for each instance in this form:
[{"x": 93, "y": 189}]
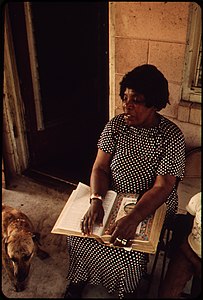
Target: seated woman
[{"x": 139, "y": 151}]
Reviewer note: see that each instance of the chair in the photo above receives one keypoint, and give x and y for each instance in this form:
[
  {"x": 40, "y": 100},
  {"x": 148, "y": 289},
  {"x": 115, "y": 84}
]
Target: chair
[{"x": 189, "y": 186}]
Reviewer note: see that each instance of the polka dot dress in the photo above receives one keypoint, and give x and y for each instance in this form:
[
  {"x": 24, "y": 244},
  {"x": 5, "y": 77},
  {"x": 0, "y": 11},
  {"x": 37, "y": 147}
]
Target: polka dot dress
[{"x": 139, "y": 155}]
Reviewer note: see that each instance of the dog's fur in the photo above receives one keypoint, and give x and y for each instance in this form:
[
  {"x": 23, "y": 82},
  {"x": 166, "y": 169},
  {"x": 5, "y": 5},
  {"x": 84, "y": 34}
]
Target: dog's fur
[{"x": 19, "y": 244}]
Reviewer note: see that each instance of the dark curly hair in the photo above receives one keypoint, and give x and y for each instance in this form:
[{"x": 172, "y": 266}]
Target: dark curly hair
[{"x": 149, "y": 81}]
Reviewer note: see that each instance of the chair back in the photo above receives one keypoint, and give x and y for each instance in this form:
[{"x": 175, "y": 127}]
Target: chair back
[{"x": 191, "y": 183}]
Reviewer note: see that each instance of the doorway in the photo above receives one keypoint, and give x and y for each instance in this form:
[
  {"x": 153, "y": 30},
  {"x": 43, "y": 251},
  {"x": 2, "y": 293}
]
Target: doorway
[{"x": 71, "y": 43}]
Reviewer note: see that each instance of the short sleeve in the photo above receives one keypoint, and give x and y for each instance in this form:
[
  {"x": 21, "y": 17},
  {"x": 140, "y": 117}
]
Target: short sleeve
[
  {"x": 106, "y": 141},
  {"x": 109, "y": 136},
  {"x": 173, "y": 160}
]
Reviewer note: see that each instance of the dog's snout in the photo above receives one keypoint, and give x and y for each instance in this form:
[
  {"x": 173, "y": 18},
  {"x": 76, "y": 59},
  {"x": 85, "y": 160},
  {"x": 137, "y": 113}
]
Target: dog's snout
[
  {"x": 20, "y": 286},
  {"x": 21, "y": 273},
  {"x": 22, "y": 276}
]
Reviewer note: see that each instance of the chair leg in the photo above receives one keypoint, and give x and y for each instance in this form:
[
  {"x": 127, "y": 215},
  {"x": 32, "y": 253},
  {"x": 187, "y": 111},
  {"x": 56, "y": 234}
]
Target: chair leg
[
  {"x": 165, "y": 256},
  {"x": 160, "y": 247},
  {"x": 155, "y": 261}
]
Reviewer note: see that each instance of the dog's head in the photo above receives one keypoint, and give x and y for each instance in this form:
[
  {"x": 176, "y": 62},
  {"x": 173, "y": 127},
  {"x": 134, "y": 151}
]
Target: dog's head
[{"x": 20, "y": 250}]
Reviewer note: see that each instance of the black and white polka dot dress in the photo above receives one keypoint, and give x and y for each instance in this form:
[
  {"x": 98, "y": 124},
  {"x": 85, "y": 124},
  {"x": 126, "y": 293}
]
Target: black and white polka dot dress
[{"x": 139, "y": 155}]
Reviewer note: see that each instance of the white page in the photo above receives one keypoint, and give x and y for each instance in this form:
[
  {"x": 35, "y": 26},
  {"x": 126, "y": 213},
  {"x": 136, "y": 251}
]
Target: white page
[
  {"x": 107, "y": 205},
  {"x": 68, "y": 203},
  {"x": 76, "y": 207}
]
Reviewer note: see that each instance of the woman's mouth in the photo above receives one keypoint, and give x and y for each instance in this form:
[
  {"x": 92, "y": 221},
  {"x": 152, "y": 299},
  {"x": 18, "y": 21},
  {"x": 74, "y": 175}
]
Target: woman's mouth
[{"x": 127, "y": 117}]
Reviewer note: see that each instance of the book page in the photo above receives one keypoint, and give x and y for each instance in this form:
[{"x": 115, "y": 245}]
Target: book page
[
  {"x": 64, "y": 210},
  {"x": 127, "y": 204},
  {"x": 107, "y": 205},
  {"x": 117, "y": 209},
  {"x": 73, "y": 212},
  {"x": 76, "y": 207}
]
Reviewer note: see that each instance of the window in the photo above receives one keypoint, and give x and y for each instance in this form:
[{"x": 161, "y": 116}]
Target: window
[{"x": 193, "y": 64}]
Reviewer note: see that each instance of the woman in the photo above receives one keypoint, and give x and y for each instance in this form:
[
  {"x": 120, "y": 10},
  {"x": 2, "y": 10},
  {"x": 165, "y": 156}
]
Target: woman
[{"x": 139, "y": 151}]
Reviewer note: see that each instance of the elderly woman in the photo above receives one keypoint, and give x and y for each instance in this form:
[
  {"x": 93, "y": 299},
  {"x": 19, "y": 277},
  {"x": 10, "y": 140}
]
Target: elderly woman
[{"x": 139, "y": 151}]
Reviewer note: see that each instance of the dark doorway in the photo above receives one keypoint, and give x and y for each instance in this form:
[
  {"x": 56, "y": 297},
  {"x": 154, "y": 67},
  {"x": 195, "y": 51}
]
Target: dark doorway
[{"x": 72, "y": 54}]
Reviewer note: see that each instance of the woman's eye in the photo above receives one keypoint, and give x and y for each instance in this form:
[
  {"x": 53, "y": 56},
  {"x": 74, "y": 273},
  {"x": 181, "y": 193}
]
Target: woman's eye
[{"x": 132, "y": 98}]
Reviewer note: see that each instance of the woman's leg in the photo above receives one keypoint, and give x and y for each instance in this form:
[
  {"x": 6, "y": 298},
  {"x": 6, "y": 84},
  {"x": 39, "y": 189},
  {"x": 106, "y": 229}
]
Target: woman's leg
[
  {"x": 183, "y": 265},
  {"x": 179, "y": 271}
]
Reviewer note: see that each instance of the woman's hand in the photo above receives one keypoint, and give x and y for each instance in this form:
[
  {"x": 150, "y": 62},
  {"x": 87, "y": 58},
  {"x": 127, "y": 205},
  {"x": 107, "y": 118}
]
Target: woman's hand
[
  {"x": 123, "y": 231},
  {"x": 95, "y": 214}
]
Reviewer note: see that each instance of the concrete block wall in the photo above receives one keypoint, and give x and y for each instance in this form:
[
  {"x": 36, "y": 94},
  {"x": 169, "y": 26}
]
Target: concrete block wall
[{"x": 154, "y": 33}]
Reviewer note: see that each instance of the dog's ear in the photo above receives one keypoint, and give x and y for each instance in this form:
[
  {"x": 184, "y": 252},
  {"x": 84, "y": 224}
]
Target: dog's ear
[
  {"x": 36, "y": 237},
  {"x": 5, "y": 241}
]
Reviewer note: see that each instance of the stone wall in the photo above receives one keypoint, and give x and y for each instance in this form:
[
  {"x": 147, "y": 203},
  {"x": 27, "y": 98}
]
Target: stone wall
[{"x": 154, "y": 33}]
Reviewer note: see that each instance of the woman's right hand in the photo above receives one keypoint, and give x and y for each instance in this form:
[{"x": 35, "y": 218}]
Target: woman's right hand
[{"x": 94, "y": 215}]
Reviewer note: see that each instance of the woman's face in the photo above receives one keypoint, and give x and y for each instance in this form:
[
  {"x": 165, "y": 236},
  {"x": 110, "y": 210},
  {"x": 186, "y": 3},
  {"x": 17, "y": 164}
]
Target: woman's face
[{"x": 136, "y": 113}]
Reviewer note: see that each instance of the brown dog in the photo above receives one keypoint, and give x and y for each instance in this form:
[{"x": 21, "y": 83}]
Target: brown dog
[{"x": 19, "y": 244}]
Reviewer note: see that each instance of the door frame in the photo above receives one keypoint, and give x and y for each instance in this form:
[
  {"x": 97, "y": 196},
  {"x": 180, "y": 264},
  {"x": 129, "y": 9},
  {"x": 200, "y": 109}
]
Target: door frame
[
  {"x": 33, "y": 65},
  {"x": 15, "y": 145}
]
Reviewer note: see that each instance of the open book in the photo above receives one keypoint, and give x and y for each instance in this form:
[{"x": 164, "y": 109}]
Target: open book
[{"x": 115, "y": 206}]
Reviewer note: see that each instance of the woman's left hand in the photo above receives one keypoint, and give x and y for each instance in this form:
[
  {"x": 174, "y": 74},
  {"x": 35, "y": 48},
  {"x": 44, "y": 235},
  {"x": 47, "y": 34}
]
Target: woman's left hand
[{"x": 123, "y": 231}]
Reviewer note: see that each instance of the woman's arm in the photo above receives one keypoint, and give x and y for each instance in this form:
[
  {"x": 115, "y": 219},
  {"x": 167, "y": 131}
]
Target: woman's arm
[
  {"x": 125, "y": 228},
  {"x": 99, "y": 184},
  {"x": 99, "y": 179},
  {"x": 154, "y": 197}
]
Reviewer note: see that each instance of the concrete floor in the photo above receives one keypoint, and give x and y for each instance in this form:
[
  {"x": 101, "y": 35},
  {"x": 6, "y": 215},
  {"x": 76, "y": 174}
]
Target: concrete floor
[{"x": 47, "y": 278}]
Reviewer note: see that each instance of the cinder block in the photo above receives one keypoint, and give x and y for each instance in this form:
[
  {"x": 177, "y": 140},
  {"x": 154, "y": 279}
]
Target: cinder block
[
  {"x": 152, "y": 20},
  {"x": 169, "y": 58},
  {"x": 129, "y": 54}
]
